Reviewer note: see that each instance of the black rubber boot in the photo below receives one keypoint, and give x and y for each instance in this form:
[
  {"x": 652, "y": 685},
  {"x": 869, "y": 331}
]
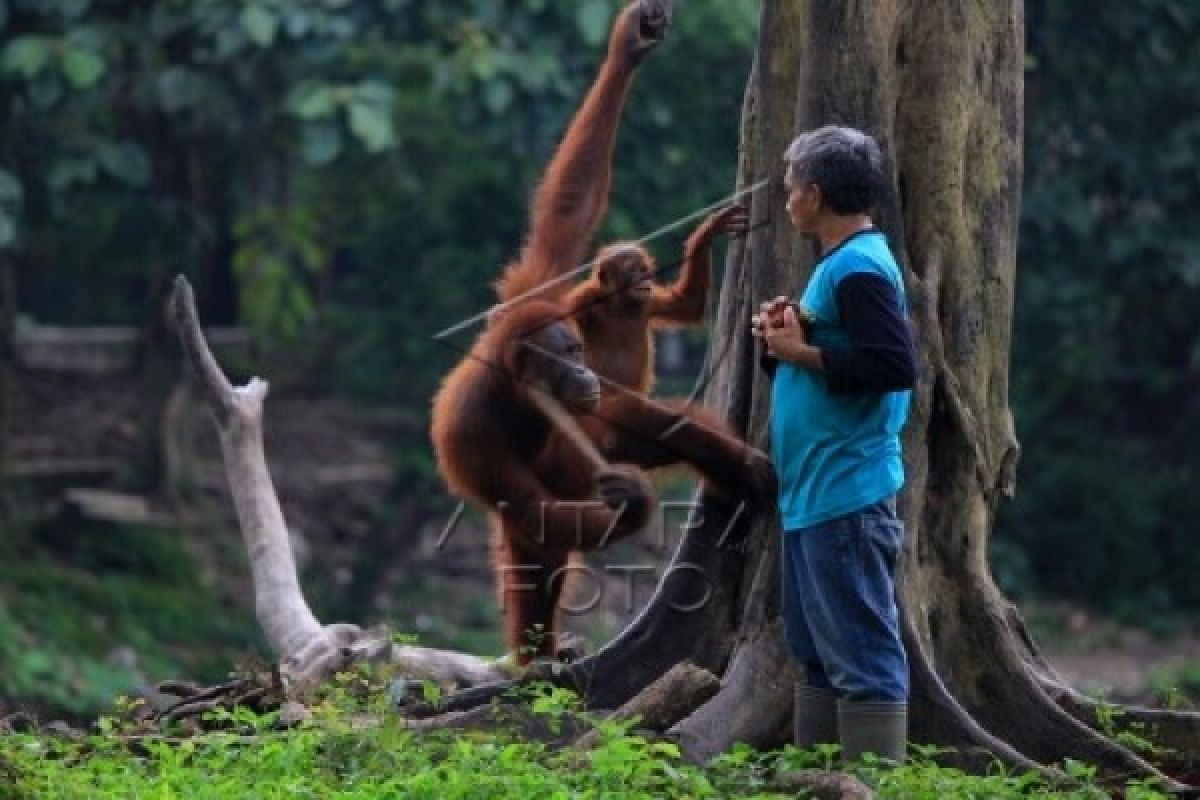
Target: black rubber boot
[
  {"x": 879, "y": 728},
  {"x": 815, "y": 717}
]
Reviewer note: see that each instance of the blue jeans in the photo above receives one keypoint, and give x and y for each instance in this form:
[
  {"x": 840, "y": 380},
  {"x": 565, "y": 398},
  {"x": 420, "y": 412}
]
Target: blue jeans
[{"x": 839, "y": 604}]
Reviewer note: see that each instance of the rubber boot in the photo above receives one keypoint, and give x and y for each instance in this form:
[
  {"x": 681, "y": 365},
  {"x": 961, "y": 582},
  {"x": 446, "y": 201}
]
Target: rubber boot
[
  {"x": 879, "y": 728},
  {"x": 814, "y": 717}
]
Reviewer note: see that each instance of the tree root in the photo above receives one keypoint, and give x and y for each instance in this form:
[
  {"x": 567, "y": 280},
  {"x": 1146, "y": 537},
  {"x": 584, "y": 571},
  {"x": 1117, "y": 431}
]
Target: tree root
[
  {"x": 753, "y": 705},
  {"x": 690, "y": 617},
  {"x": 18, "y": 722},
  {"x": 663, "y": 703},
  {"x": 505, "y": 692},
  {"x": 181, "y": 689},
  {"x": 1033, "y": 653},
  {"x": 822, "y": 786},
  {"x": 257, "y": 688},
  {"x": 554, "y": 730},
  {"x": 461, "y": 701},
  {"x": 1016, "y": 708},
  {"x": 942, "y": 720},
  {"x": 1177, "y": 733}
]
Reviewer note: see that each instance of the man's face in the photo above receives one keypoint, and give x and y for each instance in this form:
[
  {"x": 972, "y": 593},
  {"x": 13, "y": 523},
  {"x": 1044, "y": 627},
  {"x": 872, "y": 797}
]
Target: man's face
[{"x": 803, "y": 203}]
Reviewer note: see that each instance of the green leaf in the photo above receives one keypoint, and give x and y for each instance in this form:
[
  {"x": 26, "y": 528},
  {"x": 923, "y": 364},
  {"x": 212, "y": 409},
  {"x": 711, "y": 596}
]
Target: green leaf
[
  {"x": 312, "y": 101},
  {"x": 372, "y": 125},
  {"x": 69, "y": 171},
  {"x": 375, "y": 92},
  {"x": 8, "y": 230},
  {"x": 320, "y": 143},
  {"x": 484, "y": 64},
  {"x": 231, "y": 43},
  {"x": 178, "y": 88},
  {"x": 593, "y": 20},
  {"x": 125, "y": 161},
  {"x": 297, "y": 22},
  {"x": 73, "y": 9},
  {"x": 10, "y": 188},
  {"x": 497, "y": 95},
  {"x": 90, "y": 36},
  {"x": 82, "y": 67},
  {"x": 260, "y": 24},
  {"x": 46, "y": 90},
  {"x": 27, "y": 55}
]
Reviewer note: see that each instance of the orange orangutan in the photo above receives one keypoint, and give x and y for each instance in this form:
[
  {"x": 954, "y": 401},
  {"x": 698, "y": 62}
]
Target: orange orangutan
[{"x": 546, "y": 498}]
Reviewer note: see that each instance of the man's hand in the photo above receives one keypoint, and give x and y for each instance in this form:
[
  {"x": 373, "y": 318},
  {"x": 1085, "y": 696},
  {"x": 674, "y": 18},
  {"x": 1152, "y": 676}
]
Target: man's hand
[
  {"x": 785, "y": 336},
  {"x": 770, "y": 315},
  {"x": 786, "y": 340}
]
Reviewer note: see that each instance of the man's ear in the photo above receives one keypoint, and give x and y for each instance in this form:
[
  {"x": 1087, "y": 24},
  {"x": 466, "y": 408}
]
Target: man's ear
[{"x": 818, "y": 198}]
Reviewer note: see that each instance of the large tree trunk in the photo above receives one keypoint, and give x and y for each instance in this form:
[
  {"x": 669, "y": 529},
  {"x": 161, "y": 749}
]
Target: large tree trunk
[{"x": 939, "y": 84}]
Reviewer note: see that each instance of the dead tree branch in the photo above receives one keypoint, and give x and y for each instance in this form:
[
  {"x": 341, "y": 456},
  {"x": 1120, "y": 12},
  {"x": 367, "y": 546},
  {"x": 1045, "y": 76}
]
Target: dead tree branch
[{"x": 308, "y": 651}]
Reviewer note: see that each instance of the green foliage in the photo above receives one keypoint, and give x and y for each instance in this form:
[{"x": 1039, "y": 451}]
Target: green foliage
[
  {"x": 594, "y": 19},
  {"x": 279, "y": 249},
  {"x": 1134, "y": 735},
  {"x": 27, "y": 55},
  {"x": 10, "y": 201},
  {"x": 68, "y": 602},
  {"x": 393, "y": 146},
  {"x": 46, "y": 672},
  {"x": 337, "y": 755},
  {"x": 1106, "y": 358},
  {"x": 1177, "y": 683},
  {"x": 178, "y": 114}
]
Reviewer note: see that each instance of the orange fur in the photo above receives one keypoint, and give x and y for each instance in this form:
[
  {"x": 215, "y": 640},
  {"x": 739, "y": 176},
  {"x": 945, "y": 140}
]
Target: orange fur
[
  {"x": 493, "y": 447},
  {"x": 497, "y": 450},
  {"x": 617, "y": 327}
]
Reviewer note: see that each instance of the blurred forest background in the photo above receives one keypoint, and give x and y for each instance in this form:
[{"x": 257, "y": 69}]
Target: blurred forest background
[{"x": 341, "y": 179}]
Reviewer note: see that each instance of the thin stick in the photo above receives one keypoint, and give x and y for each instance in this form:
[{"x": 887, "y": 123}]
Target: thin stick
[
  {"x": 567, "y": 425},
  {"x": 679, "y": 223}
]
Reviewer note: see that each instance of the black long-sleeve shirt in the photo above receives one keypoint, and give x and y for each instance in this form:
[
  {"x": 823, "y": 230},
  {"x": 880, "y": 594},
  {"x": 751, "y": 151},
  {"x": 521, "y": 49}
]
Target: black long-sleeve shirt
[{"x": 880, "y": 356}]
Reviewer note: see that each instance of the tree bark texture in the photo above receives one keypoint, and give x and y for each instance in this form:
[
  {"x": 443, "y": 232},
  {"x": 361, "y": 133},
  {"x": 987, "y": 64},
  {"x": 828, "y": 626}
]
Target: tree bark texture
[{"x": 939, "y": 84}]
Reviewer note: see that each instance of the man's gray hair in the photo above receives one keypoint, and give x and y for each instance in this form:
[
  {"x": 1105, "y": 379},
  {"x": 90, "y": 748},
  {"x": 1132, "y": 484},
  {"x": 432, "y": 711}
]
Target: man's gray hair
[{"x": 846, "y": 164}]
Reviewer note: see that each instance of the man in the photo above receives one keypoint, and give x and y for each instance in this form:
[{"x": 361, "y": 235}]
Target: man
[{"x": 843, "y": 366}]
